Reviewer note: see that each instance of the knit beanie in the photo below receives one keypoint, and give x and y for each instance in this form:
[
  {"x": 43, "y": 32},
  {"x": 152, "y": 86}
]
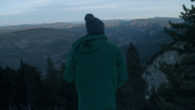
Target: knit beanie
[{"x": 93, "y": 25}]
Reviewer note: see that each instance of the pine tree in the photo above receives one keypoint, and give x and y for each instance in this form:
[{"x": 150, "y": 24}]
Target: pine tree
[
  {"x": 12, "y": 89},
  {"x": 3, "y": 88},
  {"x": 180, "y": 93},
  {"x": 2, "y": 99},
  {"x": 50, "y": 85},
  {"x": 133, "y": 61},
  {"x": 33, "y": 86},
  {"x": 59, "y": 92},
  {"x": 69, "y": 92},
  {"x": 131, "y": 94}
]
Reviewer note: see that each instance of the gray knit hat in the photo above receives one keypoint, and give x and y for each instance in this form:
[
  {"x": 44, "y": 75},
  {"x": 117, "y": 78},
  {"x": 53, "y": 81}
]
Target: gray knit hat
[{"x": 93, "y": 25}]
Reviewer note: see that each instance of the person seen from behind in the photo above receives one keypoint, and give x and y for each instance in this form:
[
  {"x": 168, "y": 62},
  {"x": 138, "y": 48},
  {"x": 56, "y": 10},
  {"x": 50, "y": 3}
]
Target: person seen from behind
[{"x": 96, "y": 67}]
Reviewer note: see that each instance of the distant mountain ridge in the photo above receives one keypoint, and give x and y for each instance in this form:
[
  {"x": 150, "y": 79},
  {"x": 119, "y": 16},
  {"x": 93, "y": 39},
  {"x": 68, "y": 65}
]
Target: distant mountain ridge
[
  {"x": 108, "y": 23},
  {"x": 35, "y": 43}
]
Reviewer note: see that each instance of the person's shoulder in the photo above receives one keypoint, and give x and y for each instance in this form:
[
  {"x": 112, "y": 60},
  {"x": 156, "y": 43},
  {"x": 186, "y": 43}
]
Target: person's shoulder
[{"x": 113, "y": 47}]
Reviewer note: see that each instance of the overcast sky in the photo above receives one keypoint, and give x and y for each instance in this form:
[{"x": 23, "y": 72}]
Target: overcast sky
[{"x": 14, "y": 12}]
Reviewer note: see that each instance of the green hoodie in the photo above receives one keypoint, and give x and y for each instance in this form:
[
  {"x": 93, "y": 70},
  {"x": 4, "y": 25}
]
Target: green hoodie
[{"x": 97, "y": 68}]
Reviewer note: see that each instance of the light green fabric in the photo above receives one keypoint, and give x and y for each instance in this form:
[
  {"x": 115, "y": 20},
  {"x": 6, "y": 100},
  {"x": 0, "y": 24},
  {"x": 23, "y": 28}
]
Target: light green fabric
[{"x": 97, "y": 68}]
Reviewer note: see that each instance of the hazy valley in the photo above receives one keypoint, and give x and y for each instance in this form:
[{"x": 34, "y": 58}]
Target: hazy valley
[{"x": 35, "y": 43}]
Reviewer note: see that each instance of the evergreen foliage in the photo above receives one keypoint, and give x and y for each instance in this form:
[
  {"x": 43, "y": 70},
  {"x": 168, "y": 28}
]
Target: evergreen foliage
[
  {"x": 179, "y": 94},
  {"x": 25, "y": 89},
  {"x": 131, "y": 95}
]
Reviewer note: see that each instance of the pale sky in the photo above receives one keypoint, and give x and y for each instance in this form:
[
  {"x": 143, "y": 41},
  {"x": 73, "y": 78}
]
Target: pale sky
[{"x": 14, "y": 12}]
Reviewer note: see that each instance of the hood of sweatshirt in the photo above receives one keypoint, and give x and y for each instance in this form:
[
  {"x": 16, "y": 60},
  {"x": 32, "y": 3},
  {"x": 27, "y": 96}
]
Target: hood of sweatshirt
[{"x": 89, "y": 43}]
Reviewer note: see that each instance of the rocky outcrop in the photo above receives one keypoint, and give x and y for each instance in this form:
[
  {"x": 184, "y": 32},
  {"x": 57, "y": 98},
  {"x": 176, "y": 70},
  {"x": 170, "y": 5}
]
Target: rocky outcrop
[{"x": 153, "y": 74}]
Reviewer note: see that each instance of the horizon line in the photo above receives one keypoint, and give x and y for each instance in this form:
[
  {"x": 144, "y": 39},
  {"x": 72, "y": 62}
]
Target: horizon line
[{"x": 81, "y": 21}]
